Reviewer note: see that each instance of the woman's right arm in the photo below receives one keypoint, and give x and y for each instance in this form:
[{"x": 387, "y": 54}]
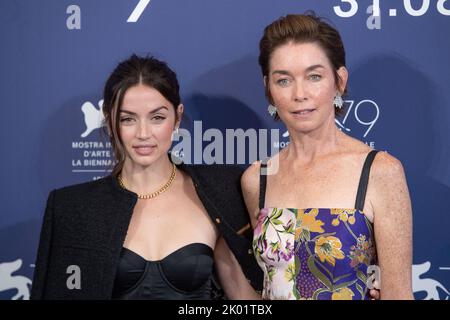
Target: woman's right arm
[{"x": 232, "y": 278}]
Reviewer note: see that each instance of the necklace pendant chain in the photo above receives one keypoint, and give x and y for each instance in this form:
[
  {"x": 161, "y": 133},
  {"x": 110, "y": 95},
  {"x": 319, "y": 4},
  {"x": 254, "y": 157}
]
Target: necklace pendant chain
[{"x": 157, "y": 192}]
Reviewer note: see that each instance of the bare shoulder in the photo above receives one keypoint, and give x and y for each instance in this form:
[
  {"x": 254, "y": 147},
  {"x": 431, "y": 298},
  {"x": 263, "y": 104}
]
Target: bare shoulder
[
  {"x": 250, "y": 190},
  {"x": 387, "y": 168},
  {"x": 250, "y": 178},
  {"x": 391, "y": 194}
]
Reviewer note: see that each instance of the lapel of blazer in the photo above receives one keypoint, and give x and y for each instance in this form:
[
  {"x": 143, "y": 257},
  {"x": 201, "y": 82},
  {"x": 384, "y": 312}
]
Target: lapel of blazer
[
  {"x": 121, "y": 210},
  {"x": 206, "y": 197}
]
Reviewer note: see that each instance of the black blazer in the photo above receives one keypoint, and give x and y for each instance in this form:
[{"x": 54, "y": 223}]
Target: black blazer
[{"x": 86, "y": 224}]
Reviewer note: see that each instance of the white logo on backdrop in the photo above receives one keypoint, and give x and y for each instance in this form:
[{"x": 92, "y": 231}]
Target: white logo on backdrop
[
  {"x": 93, "y": 117},
  {"x": 93, "y": 156},
  {"x": 9, "y": 281},
  {"x": 375, "y": 12},
  {"x": 430, "y": 286},
  {"x": 368, "y": 124},
  {"x": 136, "y": 14},
  {"x": 354, "y": 111}
]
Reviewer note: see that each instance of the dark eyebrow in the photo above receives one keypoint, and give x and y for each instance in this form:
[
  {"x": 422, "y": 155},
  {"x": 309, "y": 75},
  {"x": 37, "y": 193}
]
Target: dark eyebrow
[
  {"x": 313, "y": 67},
  {"x": 283, "y": 72},
  {"x": 287, "y": 73},
  {"x": 153, "y": 111}
]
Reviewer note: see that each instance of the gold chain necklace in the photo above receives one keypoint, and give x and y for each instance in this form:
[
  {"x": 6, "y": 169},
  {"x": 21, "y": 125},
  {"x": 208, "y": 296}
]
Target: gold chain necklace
[{"x": 156, "y": 193}]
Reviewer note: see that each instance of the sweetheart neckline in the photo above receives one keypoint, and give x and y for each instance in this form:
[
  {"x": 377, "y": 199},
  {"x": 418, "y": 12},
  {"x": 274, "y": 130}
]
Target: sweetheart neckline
[{"x": 171, "y": 253}]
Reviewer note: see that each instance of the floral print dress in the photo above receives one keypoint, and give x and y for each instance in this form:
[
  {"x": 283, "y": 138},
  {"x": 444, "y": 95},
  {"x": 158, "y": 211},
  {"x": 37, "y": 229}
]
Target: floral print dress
[{"x": 314, "y": 253}]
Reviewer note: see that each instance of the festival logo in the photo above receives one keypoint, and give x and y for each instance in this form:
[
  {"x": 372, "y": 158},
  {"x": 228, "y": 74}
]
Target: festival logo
[
  {"x": 91, "y": 153},
  {"x": 9, "y": 281}
]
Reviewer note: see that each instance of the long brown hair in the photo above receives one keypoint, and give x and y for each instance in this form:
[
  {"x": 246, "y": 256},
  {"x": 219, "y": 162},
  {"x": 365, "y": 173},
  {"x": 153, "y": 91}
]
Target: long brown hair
[{"x": 134, "y": 71}]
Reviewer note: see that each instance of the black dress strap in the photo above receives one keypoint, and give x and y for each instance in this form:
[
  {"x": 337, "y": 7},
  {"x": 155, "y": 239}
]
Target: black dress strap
[
  {"x": 364, "y": 181},
  {"x": 262, "y": 184}
]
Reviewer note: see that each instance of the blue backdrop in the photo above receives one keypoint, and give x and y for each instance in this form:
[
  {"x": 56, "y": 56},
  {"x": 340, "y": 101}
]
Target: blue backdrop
[{"x": 57, "y": 54}]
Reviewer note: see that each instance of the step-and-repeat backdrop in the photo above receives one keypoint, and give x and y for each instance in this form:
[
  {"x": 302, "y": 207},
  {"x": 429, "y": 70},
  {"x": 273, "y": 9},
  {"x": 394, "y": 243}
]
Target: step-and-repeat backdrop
[{"x": 56, "y": 56}]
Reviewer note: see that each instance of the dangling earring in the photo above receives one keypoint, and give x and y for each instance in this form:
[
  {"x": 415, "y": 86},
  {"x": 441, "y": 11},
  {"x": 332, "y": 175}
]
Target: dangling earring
[
  {"x": 272, "y": 110},
  {"x": 174, "y": 132},
  {"x": 338, "y": 102}
]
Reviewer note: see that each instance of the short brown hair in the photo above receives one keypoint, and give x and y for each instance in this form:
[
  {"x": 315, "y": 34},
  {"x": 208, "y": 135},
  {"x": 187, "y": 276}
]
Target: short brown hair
[{"x": 302, "y": 28}]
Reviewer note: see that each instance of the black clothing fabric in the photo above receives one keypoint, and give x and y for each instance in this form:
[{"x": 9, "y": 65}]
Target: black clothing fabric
[
  {"x": 85, "y": 225},
  {"x": 183, "y": 274}
]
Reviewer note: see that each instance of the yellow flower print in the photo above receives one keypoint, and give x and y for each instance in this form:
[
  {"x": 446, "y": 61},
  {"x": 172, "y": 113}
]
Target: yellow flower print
[
  {"x": 342, "y": 294},
  {"x": 343, "y": 215},
  {"x": 362, "y": 252},
  {"x": 361, "y": 258},
  {"x": 289, "y": 274},
  {"x": 329, "y": 249},
  {"x": 351, "y": 220},
  {"x": 308, "y": 222},
  {"x": 365, "y": 245}
]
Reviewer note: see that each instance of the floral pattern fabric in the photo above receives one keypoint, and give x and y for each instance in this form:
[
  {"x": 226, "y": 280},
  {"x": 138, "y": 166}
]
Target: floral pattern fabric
[{"x": 314, "y": 253}]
